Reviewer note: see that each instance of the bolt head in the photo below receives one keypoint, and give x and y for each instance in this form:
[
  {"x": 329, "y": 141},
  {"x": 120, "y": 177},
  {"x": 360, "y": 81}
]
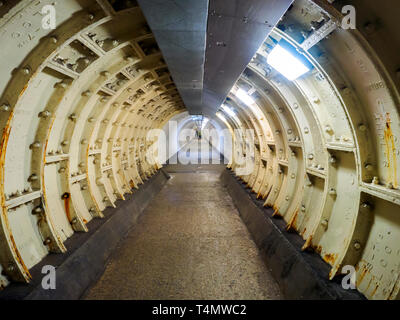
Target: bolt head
[
  {"x": 26, "y": 70},
  {"x": 5, "y": 107}
]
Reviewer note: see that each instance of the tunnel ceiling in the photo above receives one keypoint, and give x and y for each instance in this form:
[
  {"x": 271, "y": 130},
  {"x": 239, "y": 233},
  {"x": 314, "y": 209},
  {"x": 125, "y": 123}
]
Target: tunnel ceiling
[
  {"x": 180, "y": 29},
  {"x": 77, "y": 102},
  {"x": 236, "y": 29},
  {"x": 208, "y": 44}
]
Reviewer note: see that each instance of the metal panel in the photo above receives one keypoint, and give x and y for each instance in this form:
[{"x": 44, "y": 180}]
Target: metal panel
[
  {"x": 236, "y": 29},
  {"x": 180, "y": 29}
]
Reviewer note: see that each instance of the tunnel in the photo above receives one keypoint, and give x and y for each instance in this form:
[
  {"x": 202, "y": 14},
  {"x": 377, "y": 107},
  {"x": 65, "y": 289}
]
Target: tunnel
[{"x": 199, "y": 149}]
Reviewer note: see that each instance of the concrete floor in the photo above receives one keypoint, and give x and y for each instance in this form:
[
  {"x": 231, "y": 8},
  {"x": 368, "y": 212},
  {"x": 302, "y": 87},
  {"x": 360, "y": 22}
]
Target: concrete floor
[{"x": 188, "y": 244}]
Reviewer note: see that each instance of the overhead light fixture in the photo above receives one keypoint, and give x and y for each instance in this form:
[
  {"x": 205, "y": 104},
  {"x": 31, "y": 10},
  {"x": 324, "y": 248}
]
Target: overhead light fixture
[
  {"x": 244, "y": 97},
  {"x": 228, "y": 110},
  {"x": 205, "y": 121},
  {"x": 285, "y": 59}
]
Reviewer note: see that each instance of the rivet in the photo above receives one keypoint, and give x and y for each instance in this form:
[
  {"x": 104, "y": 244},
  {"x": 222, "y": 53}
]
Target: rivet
[
  {"x": 86, "y": 93},
  {"x": 64, "y": 143},
  {"x": 106, "y": 74},
  {"x": 47, "y": 241},
  {"x": 61, "y": 170},
  {"x": 366, "y": 206},
  {"x": 5, "y": 107},
  {"x": 357, "y": 245},
  {"x": 328, "y": 129},
  {"x": 33, "y": 177},
  {"x": 369, "y": 167},
  {"x": 332, "y": 192},
  {"x": 37, "y": 210},
  {"x": 90, "y": 16},
  {"x": 362, "y": 127},
  {"x": 73, "y": 117},
  {"x": 35, "y": 145},
  {"x": 310, "y": 156},
  {"x": 26, "y": 70},
  {"x": 44, "y": 114},
  {"x": 375, "y": 180},
  {"x": 84, "y": 141},
  {"x": 324, "y": 223},
  {"x": 53, "y": 39},
  {"x": 316, "y": 100},
  {"x": 92, "y": 119}
]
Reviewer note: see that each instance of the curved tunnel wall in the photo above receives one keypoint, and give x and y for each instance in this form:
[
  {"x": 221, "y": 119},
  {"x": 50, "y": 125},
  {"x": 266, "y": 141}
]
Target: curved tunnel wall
[
  {"x": 327, "y": 152},
  {"x": 77, "y": 102},
  {"x": 76, "y": 105}
]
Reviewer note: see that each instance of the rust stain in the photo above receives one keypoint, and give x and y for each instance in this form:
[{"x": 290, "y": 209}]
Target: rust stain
[
  {"x": 66, "y": 197},
  {"x": 330, "y": 258},
  {"x": 374, "y": 291},
  {"x": 363, "y": 273},
  {"x": 307, "y": 244},
  {"x": 23, "y": 90},
  {"x": 8, "y": 234},
  {"x": 390, "y": 152},
  {"x": 292, "y": 223},
  {"x": 276, "y": 212}
]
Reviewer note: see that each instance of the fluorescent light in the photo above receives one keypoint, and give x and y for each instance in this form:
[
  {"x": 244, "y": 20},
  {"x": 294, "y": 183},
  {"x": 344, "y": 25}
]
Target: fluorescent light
[
  {"x": 242, "y": 95},
  {"x": 205, "y": 121},
  {"x": 285, "y": 62},
  {"x": 228, "y": 110}
]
